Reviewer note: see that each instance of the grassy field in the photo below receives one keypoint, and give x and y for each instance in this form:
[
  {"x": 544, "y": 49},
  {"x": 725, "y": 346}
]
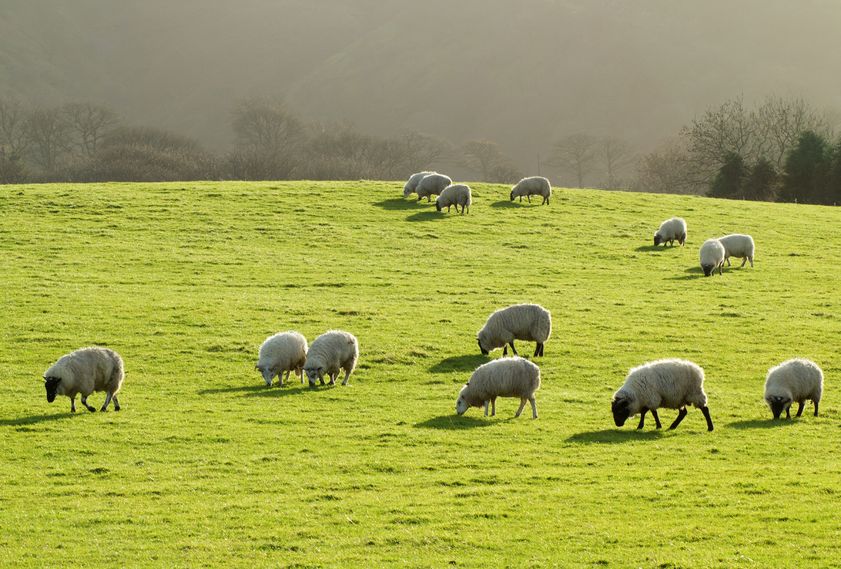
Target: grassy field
[{"x": 205, "y": 466}]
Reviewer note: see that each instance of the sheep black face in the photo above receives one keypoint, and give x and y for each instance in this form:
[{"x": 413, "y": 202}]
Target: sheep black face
[
  {"x": 778, "y": 404},
  {"x": 437, "y": 205},
  {"x": 481, "y": 349},
  {"x": 313, "y": 374},
  {"x": 511, "y": 195},
  {"x": 708, "y": 270},
  {"x": 621, "y": 411},
  {"x": 657, "y": 240},
  {"x": 51, "y": 384}
]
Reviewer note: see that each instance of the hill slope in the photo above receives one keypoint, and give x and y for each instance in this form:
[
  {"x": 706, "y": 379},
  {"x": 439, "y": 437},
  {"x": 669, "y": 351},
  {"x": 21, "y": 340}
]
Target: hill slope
[{"x": 205, "y": 466}]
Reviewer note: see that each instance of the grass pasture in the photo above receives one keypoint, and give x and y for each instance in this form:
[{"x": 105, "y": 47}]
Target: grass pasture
[{"x": 204, "y": 466}]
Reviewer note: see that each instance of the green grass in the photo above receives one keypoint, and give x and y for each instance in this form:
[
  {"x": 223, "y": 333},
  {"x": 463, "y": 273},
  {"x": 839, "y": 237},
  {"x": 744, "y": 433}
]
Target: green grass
[{"x": 206, "y": 467}]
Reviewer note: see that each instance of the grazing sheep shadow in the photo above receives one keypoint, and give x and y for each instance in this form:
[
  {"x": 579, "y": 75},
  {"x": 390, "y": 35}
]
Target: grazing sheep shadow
[
  {"x": 460, "y": 363},
  {"x": 692, "y": 273},
  {"x": 33, "y": 419},
  {"x": 760, "y": 424},
  {"x": 290, "y": 389},
  {"x": 237, "y": 389},
  {"x": 452, "y": 422},
  {"x": 507, "y": 203},
  {"x": 398, "y": 204},
  {"x": 425, "y": 216},
  {"x": 613, "y": 436},
  {"x": 652, "y": 248}
]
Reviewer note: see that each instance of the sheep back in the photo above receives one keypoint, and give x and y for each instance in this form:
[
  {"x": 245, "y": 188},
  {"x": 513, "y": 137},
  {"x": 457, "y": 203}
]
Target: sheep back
[
  {"x": 87, "y": 370},
  {"x": 528, "y": 322},
  {"x": 669, "y": 383}
]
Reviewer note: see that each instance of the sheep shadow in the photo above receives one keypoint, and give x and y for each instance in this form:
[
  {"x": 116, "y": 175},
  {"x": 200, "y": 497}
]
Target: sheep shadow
[
  {"x": 35, "y": 419},
  {"x": 761, "y": 424},
  {"x": 506, "y": 204},
  {"x": 614, "y": 436},
  {"x": 653, "y": 248},
  {"x": 425, "y": 216},
  {"x": 290, "y": 389},
  {"x": 692, "y": 273},
  {"x": 459, "y": 363},
  {"x": 452, "y": 423},
  {"x": 237, "y": 389},
  {"x": 398, "y": 204}
]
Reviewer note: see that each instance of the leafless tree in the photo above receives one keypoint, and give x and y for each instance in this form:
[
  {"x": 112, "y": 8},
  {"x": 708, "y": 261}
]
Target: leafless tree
[
  {"x": 781, "y": 121},
  {"x": 49, "y": 137},
  {"x": 265, "y": 126},
  {"x": 13, "y": 132},
  {"x": 669, "y": 170},
  {"x": 482, "y": 156},
  {"x": 89, "y": 123},
  {"x": 617, "y": 156},
  {"x": 575, "y": 153}
]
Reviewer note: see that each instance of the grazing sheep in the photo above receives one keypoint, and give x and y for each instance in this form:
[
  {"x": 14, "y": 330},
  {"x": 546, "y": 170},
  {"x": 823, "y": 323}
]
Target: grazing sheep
[
  {"x": 283, "y": 352},
  {"x": 529, "y": 322},
  {"x": 671, "y": 230},
  {"x": 793, "y": 380},
  {"x": 455, "y": 195},
  {"x": 412, "y": 183},
  {"x": 738, "y": 245},
  {"x": 672, "y": 384},
  {"x": 330, "y": 352},
  {"x": 511, "y": 377},
  {"x": 532, "y": 186},
  {"x": 712, "y": 256},
  {"x": 84, "y": 371},
  {"x": 432, "y": 184}
]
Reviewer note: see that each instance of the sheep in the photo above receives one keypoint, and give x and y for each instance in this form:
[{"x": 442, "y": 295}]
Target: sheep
[
  {"x": 511, "y": 377},
  {"x": 532, "y": 186},
  {"x": 455, "y": 195},
  {"x": 328, "y": 353},
  {"x": 412, "y": 183},
  {"x": 84, "y": 371},
  {"x": 712, "y": 256},
  {"x": 432, "y": 184},
  {"x": 671, "y": 383},
  {"x": 283, "y": 352},
  {"x": 793, "y": 380},
  {"x": 738, "y": 245},
  {"x": 671, "y": 230},
  {"x": 529, "y": 322}
]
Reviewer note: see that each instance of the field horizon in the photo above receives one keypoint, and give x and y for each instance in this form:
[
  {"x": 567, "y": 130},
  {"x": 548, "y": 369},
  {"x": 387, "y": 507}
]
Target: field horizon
[{"x": 205, "y": 466}]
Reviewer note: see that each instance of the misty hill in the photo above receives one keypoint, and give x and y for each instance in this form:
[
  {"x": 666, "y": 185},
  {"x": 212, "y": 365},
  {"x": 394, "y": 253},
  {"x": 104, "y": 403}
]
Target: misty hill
[{"x": 519, "y": 73}]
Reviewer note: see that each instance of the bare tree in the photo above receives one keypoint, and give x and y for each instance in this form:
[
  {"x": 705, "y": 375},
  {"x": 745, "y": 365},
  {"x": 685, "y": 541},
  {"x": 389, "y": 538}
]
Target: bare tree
[
  {"x": 575, "y": 153},
  {"x": 781, "y": 121},
  {"x": 265, "y": 126},
  {"x": 49, "y": 137},
  {"x": 482, "y": 156},
  {"x": 617, "y": 157},
  {"x": 13, "y": 132},
  {"x": 669, "y": 170},
  {"x": 89, "y": 123}
]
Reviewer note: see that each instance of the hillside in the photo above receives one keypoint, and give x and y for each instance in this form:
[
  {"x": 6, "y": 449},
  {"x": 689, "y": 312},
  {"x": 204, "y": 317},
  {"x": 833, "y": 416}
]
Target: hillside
[
  {"x": 521, "y": 74},
  {"x": 206, "y": 466}
]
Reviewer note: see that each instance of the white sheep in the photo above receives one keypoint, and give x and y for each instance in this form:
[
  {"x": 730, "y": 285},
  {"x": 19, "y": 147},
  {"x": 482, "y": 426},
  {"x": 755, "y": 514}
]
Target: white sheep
[
  {"x": 529, "y": 322},
  {"x": 712, "y": 256},
  {"x": 793, "y": 380},
  {"x": 455, "y": 195},
  {"x": 671, "y": 383},
  {"x": 509, "y": 377},
  {"x": 738, "y": 245},
  {"x": 432, "y": 184},
  {"x": 283, "y": 352},
  {"x": 330, "y": 352},
  {"x": 84, "y": 371},
  {"x": 671, "y": 230},
  {"x": 412, "y": 183},
  {"x": 532, "y": 186}
]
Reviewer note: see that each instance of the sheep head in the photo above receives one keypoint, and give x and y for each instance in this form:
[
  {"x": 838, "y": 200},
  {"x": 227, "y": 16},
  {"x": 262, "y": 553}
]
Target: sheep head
[
  {"x": 778, "y": 404},
  {"x": 621, "y": 408},
  {"x": 51, "y": 385}
]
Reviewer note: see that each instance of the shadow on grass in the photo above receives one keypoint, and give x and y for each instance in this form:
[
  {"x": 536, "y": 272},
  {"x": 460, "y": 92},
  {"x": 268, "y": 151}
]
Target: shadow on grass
[
  {"x": 692, "y": 273},
  {"x": 290, "y": 389},
  {"x": 237, "y": 389},
  {"x": 506, "y": 203},
  {"x": 34, "y": 419},
  {"x": 453, "y": 422},
  {"x": 651, "y": 248},
  {"x": 760, "y": 424},
  {"x": 425, "y": 216},
  {"x": 398, "y": 204},
  {"x": 460, "y": 363},
  {"x": 613, "y": 436}
]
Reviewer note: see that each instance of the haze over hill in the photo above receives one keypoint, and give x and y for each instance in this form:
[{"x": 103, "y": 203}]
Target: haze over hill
[{"x": 520, "y": 73}]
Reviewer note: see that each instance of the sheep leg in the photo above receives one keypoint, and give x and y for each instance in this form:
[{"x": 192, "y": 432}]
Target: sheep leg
[
  {"x": 116, "y": 403},
  {"x": 513, "y": 349},
  {"x": 486, "y": 407},
  {"x": 90, "y": 408},
  {"x": 706, "y": 411},
  {"x": 680, "y": 415},
  {"x": 656, "y": 418},
  {"x": 744, "y": 260},
  {"x": 643, "y": 411},
  {"x": 522, "y": 405},
  {"x": 73, "y": 404},
  {"x": 347, "y": 376},
  {"x": 528, "y": 197},
  {"x": 533, "y": 407},
  {"x": 816, "y": 407},
  {"x": 493, "y": 407},
  {"x": 321, "y": 376},
  {"x": 505, "y": 350},
  {"x": 728, "y": 260},
  {"x": 800, "y": 406},
  {"x": 788, "y": 412},
  {"x": 545, "y": 200},
  {"x": 751, "y": 262},
  {"x": 108, "y": 397},
  {"x": 333, "y": 376}
]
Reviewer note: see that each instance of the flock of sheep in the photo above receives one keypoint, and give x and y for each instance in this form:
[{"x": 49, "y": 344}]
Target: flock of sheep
[{"x": 668, "y": 383}]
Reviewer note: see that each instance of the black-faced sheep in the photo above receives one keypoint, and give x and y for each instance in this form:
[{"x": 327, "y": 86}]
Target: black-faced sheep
[
  {"x": 712, "y": 256},
  {"x": 432, "y": 185},
  {"x": 528, "y": 322},
  {"x": 793, "y": 380},
  {"x": 283, "y": 352},
  {"x": 455, "y": 195},
  {"x": 509, "y": 377},
  {"x": 671, "y": 230},
  {"x": 84, "y": 371},
  {"x": 332, "y": 351},
  {"x": 532, "y": 186}
]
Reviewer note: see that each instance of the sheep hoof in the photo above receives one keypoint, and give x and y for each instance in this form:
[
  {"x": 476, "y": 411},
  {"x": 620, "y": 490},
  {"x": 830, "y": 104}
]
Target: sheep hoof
[
  {"x": 116, "y": 408},
  {"x": 103, "y": 410}
]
